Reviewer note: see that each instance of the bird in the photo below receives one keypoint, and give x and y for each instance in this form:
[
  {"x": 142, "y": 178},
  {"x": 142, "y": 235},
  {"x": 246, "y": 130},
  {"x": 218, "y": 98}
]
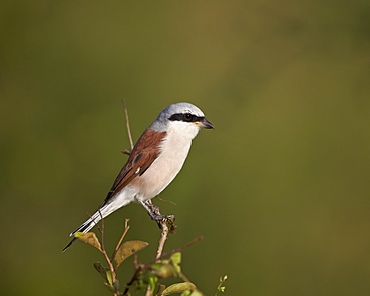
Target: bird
[{"x": 155, "y": 160}]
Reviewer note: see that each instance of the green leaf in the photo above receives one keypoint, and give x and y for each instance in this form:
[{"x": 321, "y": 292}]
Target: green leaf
[
  {"x": 116, "y": 286},
  {"x": 127, "y": 249},
  {"x": 196, "y": 293},
  {"x": 103, "y": 272},
  {"x": 176, "y": 260},
  {"x": 89, "y": 238},
  {"x": 178, "y": 288},
  {"x": 220, "y": 287},
  {"x": 152, "y": 282},
  {"x": 160, "y": 289},
  {"x": 163, "y": 271},
  {"x": 109, "y": 287},
  {"x": 109, "y": 277}
]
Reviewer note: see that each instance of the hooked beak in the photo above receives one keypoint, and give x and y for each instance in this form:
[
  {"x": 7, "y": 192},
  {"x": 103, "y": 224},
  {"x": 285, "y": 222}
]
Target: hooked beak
[{"x": 206, "y": 124}]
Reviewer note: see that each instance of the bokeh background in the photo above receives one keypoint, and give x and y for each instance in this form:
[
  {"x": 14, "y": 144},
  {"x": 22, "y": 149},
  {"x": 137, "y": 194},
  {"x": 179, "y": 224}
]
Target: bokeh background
[{"x": 280, "y": 190}]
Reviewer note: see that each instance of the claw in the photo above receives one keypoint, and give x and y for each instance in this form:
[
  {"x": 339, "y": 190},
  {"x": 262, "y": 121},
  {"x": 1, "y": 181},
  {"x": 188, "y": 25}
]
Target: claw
[{"x": 154, "y": 213}]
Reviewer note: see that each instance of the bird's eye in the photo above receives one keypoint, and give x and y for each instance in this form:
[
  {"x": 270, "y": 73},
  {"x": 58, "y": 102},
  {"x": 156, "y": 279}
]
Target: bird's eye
[{"x": 188, "y": 116}]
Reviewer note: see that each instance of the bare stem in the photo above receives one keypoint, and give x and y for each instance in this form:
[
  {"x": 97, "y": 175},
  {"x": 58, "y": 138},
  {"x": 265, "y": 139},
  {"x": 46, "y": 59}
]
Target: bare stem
[
  {"x": 127, "y": 126},
  {"x": 111, "y": 268},
  {"x": 104, "y": 252},
  {"x": 162, "y": 240},
  {"x": 127, "y": 227}
]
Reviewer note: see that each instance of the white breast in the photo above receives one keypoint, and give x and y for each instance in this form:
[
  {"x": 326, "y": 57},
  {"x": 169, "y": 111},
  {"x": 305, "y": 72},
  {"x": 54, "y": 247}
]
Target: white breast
[{"x": 173, "y": 151}]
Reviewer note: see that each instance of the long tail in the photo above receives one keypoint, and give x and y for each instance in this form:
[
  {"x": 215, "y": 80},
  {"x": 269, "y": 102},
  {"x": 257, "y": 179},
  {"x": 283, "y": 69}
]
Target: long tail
[
  {"x": 88, "y": 224},
  {"x": 119, "y": 201}
]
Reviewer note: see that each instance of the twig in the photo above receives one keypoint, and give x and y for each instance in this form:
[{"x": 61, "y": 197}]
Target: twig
[
  {"x": 111, "y": 267},
  {"x": 128, "y": 129},
  {"x": 127, "y": 227},
  {"x": 101, "y": 229},
  {"x": 136, "y": 261},
  {"x": 162, "y": 240}
]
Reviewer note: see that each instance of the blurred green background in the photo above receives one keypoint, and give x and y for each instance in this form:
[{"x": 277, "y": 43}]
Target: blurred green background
[{"x": 280, "y": 190}]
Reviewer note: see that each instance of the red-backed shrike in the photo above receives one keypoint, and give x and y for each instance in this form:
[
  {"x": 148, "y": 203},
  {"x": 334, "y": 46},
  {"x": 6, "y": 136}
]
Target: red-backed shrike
[{"x": 155, "y": 160}]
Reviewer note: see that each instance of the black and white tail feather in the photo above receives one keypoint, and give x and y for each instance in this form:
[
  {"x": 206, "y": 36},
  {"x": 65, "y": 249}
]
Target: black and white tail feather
[{"x": 88, "y": 224}]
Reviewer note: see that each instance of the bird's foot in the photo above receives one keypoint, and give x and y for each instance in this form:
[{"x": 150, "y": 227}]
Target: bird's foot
[
  {"x": 160, "y": 219},
  {"x": 163, "y": 220},
  {"x": 154, "y": 213}
]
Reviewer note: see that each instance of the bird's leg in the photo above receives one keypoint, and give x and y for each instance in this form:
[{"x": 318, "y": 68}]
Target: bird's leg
[
  {"x": 154, "y": 213},
  {"x": 152, "y": 207}
]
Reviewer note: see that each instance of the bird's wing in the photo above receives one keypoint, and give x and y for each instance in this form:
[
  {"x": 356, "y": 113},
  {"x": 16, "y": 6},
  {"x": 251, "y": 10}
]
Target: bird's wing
[{"x": 142, "y": 156}]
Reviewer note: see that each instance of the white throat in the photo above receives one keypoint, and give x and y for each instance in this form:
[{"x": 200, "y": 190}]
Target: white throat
[
  {"x": 173, "y": 151},
  {"x": 176, "y": 145}
]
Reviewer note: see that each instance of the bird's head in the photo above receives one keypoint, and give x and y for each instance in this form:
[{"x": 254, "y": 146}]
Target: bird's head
[{"x": 182, "y": 117}]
